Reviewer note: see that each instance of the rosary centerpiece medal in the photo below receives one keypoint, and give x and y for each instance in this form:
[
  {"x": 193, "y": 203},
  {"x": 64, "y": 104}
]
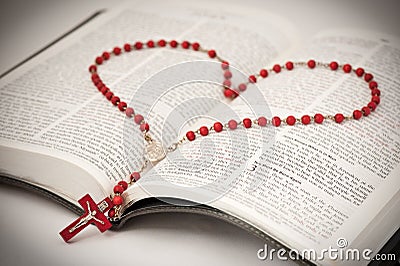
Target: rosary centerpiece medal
[{"x": 154, "y": 151}]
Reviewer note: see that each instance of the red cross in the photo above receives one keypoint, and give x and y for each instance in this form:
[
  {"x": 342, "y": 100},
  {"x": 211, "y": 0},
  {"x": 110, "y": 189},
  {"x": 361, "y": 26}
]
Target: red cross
[{"x": 94, "y": 213}]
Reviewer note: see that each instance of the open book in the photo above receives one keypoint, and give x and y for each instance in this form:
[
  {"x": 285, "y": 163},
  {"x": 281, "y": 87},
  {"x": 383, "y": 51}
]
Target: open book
[{"x": 302, "y": 187}]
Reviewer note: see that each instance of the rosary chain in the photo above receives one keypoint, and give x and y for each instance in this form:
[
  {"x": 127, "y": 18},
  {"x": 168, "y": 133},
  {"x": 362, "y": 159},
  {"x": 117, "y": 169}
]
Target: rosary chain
[{"x": 229, "y": 93}]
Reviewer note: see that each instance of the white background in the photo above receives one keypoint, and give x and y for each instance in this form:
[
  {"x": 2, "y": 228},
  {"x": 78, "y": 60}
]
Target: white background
[{"x": 29, "y": 224}]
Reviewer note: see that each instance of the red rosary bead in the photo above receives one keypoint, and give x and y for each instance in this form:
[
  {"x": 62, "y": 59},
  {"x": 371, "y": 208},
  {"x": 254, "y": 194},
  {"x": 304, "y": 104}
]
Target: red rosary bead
[
  {"x": 242, "y": 87},
  {"x": 190, "y": 135},
  {"x": 376, "y": 99},
  {"x": 135, "y": 176},
  {"x": 252, "y": 79},
  {"x": 366, "y": 111},
  {"x": 111, "y": 213},
  {"x": 290, "y": 120},
  {"x": 123, "y": 184},
  {"x": 375, "y": 92},
  {"x": 173, "y": 43},
  {"x": 289, "y": 65},
  {"x": 373, "y": 85},
  {"x": 264, "y": 73},
  {"x": 99, "y": 85},
  {"x": 144, "y": 127},
  {"x": 117, "y": 50},
  {"x": 247, "y": 122},
  {"x": 311, "y": 63},
  {"x": 99, "y": 60},
  {"x": 277, "y": 68},
  {"x": 115, "y": 100},
  {"x": 122, "y": 106},
  {"x": 106, "y": 55},
  {"x": 229, "y": 93},
  {"x": 339, "y": 118},
  {"x": 150, "y": 44},
  {"x": 225, "y": 65},
  {"x": 368, "y": 77},
  {"x": 334, "y": 65},
  {"x": 318, "y": 118},
  {"x": 360, "y": 72},
  {"x": 203, "y": 131},
  {"x": 212, "y": 53},
  {"x": 117, "y": 200},
  {"x": 138, "y": 45},
  {"x": 372, "y": 106},
  {"x": 262, "y": 121},
  {"x": 276, "y": 121},
  {"x": 235, "y": 94},
  {"x": 104, "y": 90},
  {"x": 95, "y": 76},
  {"x": 196, "y": 46},
  {"x": 129, "y": 111},
  {"x": 227, "y": 83},
  {"x": 127, "y": 47},
  {"x": 92, "y": 68},
  {"x": 161, "y": 43},
  {"x": 185, "y": 45},
  {"x": 347, "y": 68},
  {"x": 118, "y": 189},
  {"x": 232, "y": 124},
  {"x": 357, "y": 114},
  {"x": 305, "y": 119},
  {"x": 96, "y": 81},
  {"x": 109, "y": 95},
  {"x": 218, "y": 127},
  {"x": 227, "y": 74},
  {"x": 138, "y": 119}
]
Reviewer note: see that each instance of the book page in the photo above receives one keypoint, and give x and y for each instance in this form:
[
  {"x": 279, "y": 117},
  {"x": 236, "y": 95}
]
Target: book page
[
  {"x": 49, "y": 105},
  {"x": 305, "y": 185}
]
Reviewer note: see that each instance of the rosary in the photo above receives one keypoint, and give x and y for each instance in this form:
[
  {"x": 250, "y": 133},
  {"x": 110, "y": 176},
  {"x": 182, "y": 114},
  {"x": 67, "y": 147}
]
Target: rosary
[{"x": 95, "y": 213}]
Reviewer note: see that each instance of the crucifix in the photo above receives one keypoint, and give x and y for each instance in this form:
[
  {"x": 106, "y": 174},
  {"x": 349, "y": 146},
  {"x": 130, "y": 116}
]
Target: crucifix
[{"x": 94, "y": 213}]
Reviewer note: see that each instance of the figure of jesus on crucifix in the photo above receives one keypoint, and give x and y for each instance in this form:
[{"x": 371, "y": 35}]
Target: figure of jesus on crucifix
[
  {"x": 84, "y": 220},
  {"x": 93, "y": 213}
]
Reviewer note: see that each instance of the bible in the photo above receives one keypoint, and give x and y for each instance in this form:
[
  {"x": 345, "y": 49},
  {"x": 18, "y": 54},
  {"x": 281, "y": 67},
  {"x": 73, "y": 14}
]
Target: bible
[{"x": 299, "y": 188}]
